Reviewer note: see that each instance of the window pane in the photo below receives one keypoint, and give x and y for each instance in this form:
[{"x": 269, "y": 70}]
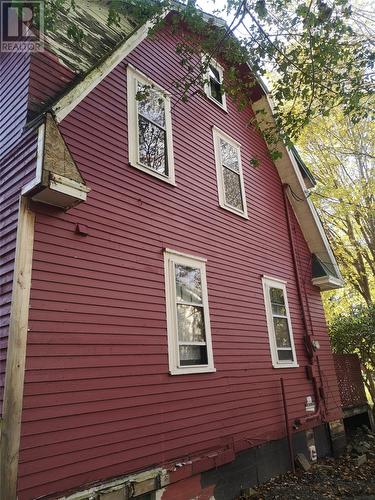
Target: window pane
[
  {"x": 232, "y": 189},
  {"x": 277, "y": 296},
  {"x": 193, "y": 355},
  {"x": 152, "y": 146},
  {"x": 188, "y": 284},
  {"x": 215, "y": 84},
  {"x": 215, "y": 90},
  {"x": 190, "y": 323},
  {"x": 229, "y": 155},
  {"x": 151, "y": 105},
  {"x": 214, "y": 73},
  {"x": 276, "y": 309},
  {"x": 285, "y": 355},
  {"x": 281, "y": 332}
]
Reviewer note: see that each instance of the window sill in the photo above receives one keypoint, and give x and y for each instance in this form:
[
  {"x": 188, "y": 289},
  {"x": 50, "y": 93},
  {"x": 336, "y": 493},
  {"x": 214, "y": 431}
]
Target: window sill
[
  {"x": 234, "y": 211},
  {"x": 294, "y": 365},
  {"x": 152, "y": 173},
  {"x": 189, "y": 370},
  {"x": 221, "y": 106}
]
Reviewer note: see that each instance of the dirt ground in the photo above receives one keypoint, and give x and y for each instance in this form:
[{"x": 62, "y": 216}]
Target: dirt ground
[{"x": 344, "y": 478}]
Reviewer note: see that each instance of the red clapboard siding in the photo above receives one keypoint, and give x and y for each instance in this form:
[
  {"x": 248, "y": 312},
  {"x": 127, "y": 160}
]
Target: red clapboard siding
[{"x": 98, "y": 399}]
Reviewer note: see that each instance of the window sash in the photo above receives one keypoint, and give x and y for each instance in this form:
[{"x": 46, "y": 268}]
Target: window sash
[
  {"x": 226, "y": 194},
  {"x": 211, "y": 80},
  {"x": 231, "y": 169},
  {"x": 165, "y": 148},
  {"x": 149, "y": 120}
]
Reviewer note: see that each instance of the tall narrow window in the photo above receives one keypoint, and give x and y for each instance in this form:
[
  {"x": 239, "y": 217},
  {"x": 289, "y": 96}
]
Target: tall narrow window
[
  {"x": 279, "y": 324},
  {"x": 189, "y": 337},
  {"x": 150, "y": 128},
  {"x": 214, "y": 84},
  {"x": 229, "y": 173}
]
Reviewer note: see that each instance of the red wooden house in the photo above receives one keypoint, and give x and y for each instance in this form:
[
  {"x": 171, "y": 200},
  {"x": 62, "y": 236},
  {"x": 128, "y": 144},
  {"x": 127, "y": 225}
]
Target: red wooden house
[{"x": 156, "y": 287}]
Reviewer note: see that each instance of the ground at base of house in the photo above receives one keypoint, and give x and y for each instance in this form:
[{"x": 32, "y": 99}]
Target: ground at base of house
[{"x": 352, "y": 476}]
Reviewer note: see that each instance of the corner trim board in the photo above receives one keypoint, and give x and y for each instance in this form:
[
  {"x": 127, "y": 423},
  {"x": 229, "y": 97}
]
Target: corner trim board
[
  {"x": 39, "y": 161},
  {"x": 16, "y": 354}
]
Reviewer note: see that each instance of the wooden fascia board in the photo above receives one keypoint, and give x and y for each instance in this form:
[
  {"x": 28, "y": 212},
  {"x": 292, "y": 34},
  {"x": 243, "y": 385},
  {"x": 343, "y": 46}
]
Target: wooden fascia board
[
  {"x": 290, "y": 174},
  {"x": 74, "y": 96},
  {"x": 16, "y": 353}
]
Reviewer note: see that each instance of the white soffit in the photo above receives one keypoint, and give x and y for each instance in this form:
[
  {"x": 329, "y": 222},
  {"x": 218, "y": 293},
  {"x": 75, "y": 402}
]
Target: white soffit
[{"x": 303, "y": 207}]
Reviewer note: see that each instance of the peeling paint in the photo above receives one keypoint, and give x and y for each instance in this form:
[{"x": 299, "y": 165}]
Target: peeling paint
[{"x": 100, "y": 39}]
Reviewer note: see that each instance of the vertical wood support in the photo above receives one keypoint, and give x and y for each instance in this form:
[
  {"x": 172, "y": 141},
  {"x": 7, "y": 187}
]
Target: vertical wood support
[{"x": 16, "y": 354}]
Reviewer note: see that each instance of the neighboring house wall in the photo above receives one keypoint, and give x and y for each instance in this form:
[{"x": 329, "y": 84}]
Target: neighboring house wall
[
  {"x": 17, "y": 165},
  {"x": 48, "y": 78},
  {"x": 14, "y": 88},
  {"x": 98, "y": 399},
  {"x": 27, "y": 83}
]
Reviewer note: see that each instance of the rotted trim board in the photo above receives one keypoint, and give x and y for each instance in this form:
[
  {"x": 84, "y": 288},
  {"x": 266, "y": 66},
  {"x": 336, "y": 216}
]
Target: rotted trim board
[{"x": 248, "y": 468}]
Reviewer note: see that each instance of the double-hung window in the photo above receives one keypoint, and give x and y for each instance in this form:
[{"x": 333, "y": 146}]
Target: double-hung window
[
  {"x": 278, "y": 322},
  {"x": 214, "y": 83},
  {"x": 150, "y": 127},
  {"x": 229, "y": 173},
  {"x": 188, "y": 319}
]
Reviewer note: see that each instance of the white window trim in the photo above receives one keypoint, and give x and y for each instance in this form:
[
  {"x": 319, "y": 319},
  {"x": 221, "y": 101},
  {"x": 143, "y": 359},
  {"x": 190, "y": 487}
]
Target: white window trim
[
  {"x": 217, "y": 135},
  {"x": 170, "y": 258},
  {"x": 134, "y": 76},
  {"x": 207, "y": 88},
  {"x": 268, "y": 283}
]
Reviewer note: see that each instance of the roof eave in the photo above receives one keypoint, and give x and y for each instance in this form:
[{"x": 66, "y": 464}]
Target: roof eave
[{"x": 303, "y": 207}]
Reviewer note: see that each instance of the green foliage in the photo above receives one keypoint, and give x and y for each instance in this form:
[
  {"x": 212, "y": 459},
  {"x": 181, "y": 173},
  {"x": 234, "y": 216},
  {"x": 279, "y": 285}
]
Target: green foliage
[
  {"x": 320, "y": 60},
  {"x": 355, "y": 333},
  {"x": 341, "y": 155}
]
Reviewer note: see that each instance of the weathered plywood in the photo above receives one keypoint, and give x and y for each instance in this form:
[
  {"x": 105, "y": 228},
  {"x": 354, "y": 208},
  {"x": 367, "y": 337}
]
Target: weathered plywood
[{"x": 57, "y": 157}]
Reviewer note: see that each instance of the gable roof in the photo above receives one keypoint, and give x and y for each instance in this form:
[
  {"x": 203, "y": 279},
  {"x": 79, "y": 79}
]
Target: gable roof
[{"x": 290, "y": 166}]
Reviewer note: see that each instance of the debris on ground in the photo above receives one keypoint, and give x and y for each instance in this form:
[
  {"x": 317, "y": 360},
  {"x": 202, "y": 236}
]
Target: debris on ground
[{"x": 352, "y": 476}]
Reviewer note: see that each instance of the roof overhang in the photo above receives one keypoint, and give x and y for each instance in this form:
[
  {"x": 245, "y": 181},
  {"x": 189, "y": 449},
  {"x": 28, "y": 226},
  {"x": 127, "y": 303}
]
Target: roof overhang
[{"x": 302, "y": 205}]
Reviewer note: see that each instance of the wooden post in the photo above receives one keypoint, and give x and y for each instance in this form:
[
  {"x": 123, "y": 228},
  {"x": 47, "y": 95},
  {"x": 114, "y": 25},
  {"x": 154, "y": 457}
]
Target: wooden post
[{"x": 16, "y": 354}]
